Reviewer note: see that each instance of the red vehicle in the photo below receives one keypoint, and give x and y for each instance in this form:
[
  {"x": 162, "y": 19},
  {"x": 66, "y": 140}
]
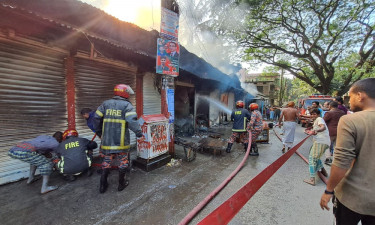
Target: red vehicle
[{"x": 304, "y": 103}]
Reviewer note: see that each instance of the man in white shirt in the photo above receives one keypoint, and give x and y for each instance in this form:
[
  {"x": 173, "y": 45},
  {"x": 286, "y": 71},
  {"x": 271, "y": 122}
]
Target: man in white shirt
[{"x": 321, "y": 142}]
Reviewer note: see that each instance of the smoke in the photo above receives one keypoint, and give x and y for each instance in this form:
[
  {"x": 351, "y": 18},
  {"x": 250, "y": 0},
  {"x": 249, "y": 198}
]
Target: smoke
[
  {"x": 196, "y": 34},
  {"x": 250, "y": 88}
]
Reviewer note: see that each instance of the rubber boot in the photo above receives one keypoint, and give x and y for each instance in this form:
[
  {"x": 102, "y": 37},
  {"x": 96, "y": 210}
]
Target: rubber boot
[
  {"x": 229, "y": 147},
  {"x": 31, "y": 175},
  {"x": 254, "y": 149},
  {"x": 69, "y": 177},
  {"x": 45, "y": 188},
  {"x": 122, "y": 181},
  {"x": 103, "y": 181},
  {"x": 246, "y": 145}
]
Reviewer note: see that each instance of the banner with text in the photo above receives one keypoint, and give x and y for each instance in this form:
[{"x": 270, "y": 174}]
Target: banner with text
[{"x": 168, "y": 53}]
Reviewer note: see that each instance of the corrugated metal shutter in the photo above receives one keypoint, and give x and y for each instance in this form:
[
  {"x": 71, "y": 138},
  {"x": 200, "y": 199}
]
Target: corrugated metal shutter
[
  {"x": 94, "y": 84},
  {"x": 151, "y": 96},
  {"x": 32, "y": 100}
]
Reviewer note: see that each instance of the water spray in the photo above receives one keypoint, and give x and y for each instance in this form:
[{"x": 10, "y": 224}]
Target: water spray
[{"x": 216, "y": 103}]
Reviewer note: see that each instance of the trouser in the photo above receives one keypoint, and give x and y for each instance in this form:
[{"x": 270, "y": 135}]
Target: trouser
[
  {"x": 316, "y": 152},
  {"x": 333, "y": 144},
  {"x": 329, "y": 152},
  {"x": 44, "y": 164},
  {"x": 345, "y": 216},
  {"x": 123, "y": 157},
  {"x": 255, "y": 134},
  {"x": 241, "y": 135}
]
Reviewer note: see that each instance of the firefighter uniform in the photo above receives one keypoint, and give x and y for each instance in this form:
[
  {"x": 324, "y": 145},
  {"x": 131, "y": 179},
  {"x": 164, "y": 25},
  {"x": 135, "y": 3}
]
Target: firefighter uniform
[
  {"x": 73, "y": 153},
  {"x": 255, "y": 126},
  {"x": 112, "y": 122},
  {"x": 240, "y": 117}
]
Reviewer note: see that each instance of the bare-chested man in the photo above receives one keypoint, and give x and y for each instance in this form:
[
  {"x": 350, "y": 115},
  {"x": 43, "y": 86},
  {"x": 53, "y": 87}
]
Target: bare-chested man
[{"x": 289, "y": 114}]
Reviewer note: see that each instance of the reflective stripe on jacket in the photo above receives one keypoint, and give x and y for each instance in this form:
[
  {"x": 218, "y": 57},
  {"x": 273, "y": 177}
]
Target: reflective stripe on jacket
[
  {"x": 240, "y": 117},
  {"x": 73, "y": 153},
  {"x": 112, "y": 122}
]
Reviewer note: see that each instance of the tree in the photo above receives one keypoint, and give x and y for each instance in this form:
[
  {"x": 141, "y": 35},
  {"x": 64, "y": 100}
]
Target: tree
[
  {"x": 299, "y": 89},
  {"x": 329, "y": 44}
]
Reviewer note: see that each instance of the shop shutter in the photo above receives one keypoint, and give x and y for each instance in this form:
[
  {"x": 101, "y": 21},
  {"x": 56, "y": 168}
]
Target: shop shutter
[
  {"x": 32, "y": 100},
  {"x": 95, "y": 81},
  {"x": 151, "y": 96}
]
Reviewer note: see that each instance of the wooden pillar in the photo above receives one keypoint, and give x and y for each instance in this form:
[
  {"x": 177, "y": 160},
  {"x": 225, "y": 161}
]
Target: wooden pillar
[
  {"x": 139, "y": 94},
  {"x": 70, "y": 91}
]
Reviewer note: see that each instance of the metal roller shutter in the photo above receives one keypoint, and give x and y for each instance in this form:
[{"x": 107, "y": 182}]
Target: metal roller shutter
[
  {"x": 94, "y": 84},
  {"x": 32, "y": 100},
  {"x": 151, "y": 96}
]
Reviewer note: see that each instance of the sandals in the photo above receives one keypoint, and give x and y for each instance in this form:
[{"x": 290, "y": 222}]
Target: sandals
[{"x": 309, "y": 181}]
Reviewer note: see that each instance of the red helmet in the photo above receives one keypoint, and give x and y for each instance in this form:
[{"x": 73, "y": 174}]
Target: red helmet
[
  {"x": 123, "y": 90},
  {"x": 239, "y": 104},
  {"x": 69, "y": 133},
  {"x": 253, "y": 106}
]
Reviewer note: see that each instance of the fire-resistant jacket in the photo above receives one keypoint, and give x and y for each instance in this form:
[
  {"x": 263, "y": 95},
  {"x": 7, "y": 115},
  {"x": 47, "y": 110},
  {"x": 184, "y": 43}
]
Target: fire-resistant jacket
[
  {"x": 73, "y": 154},
  {"x": 240, "y": 117},
  {"x": 112, "y": 122}
]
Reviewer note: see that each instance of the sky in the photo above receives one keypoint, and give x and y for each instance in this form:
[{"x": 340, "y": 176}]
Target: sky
[{"x": 144, "y": 13}]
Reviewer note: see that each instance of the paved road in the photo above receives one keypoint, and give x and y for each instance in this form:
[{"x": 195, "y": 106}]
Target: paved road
[{"x": 166, "y": 195}]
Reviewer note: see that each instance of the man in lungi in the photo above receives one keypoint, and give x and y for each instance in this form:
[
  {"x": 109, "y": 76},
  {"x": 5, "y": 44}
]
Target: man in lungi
[
  {"x": 321, "y": 142},
  {"x": 290, "y": 115},
  {"x": 36, "y": 152}
]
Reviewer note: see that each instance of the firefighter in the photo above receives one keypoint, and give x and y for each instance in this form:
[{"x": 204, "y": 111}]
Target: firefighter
[
  {"x": 37, "y": 152},
  {"x": 255, "y": 127},
  {"x": 240, "y": 116},
  {"x": 73, "y": 152},
  {"x": 112, "y": 121}
]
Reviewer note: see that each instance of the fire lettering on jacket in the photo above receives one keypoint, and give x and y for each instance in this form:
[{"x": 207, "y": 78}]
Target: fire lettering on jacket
[
  {"x": 113, "y": 112},
  {"x": 72, "y": 144}
]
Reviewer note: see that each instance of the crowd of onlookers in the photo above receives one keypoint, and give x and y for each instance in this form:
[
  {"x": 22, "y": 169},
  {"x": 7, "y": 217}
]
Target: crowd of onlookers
[{"x": 347, "y": 139}]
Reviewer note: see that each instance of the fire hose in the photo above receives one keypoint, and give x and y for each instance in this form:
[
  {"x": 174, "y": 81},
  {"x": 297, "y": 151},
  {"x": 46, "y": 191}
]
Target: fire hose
[
  {"x": 321, "y": 176},
  {"x": 209, "y": 197},
  {"x": 226, "y": 211}
]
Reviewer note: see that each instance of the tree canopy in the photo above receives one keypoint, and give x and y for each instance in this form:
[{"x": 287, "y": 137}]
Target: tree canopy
[{"x": 329, "y": 44}]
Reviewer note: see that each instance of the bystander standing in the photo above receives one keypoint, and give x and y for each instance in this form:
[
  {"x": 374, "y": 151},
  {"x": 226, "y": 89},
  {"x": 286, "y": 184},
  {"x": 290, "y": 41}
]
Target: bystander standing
[
  {"x": 321, "y": 142},
  {"x": 352, "y": 178},
  {"x": 341, "y": 104},
  {"x": 332, "y": 118},
  {"x": 289, "y": 115}
]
